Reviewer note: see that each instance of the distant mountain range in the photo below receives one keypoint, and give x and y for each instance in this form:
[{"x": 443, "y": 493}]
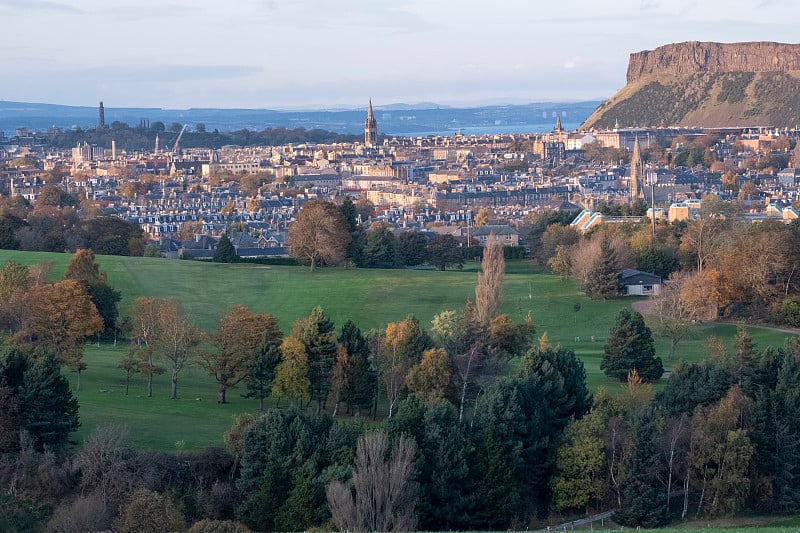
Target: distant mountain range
[{"x": 394, "y": 119}]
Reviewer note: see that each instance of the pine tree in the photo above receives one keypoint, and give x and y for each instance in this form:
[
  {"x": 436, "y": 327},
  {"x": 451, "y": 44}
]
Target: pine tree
[
  {"x": 48, "y": 410},
  {"x": 360, "y": 390},
  {"x": 603, "y": 281},
  {"x": 225, "y": 251},
  {"x": 317, "y": 334},
  {"x": 630, "y": 345},
  {"x": 262, "y": 374},
  {"x": 643, "y": 497}
]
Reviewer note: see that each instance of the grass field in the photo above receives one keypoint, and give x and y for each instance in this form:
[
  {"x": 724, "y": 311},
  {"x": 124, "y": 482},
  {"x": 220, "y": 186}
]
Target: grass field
[{"x": 371, "y": 298}]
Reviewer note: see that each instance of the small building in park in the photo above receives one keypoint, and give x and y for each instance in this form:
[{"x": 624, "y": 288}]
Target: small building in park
[{"x": 638, "y": 283}]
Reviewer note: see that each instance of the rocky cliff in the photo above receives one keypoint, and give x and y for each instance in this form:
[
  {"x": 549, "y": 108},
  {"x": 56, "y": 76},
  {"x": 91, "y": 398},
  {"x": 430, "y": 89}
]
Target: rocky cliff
[
  {"x": 695, "y": 84},
  {"x": 695, "y": 57}
]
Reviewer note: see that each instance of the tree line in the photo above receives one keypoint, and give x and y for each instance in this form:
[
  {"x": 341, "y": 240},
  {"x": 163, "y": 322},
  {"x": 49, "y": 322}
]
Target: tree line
[{"x": 460, "y": 438}]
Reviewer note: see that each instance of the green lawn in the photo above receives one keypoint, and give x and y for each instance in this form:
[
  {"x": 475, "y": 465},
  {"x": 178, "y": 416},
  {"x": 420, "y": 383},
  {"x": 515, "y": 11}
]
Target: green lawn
[{"x": 371, "y": 298}]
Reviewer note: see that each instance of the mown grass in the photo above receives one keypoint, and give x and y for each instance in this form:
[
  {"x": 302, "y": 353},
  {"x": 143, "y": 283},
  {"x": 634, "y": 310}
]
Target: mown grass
[{"x": 371, "y": 298}]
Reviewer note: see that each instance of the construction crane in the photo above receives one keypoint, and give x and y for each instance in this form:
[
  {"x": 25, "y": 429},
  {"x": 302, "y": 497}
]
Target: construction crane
[{"x": 178, "y": 140}]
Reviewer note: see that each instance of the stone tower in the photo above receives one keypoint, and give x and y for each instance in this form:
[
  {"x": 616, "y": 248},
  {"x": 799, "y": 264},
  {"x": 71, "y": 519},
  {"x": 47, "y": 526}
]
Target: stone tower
[
  {"x": 637, "y": 171},
  {"x": 558, "y": 129},
  {"x": 370, "y": 129},
  {"x": 101, "y": 121}
]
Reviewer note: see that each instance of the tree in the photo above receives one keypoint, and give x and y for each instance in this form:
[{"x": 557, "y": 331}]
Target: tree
[
  {"x": 145, "y": 336},
  {"x": 291, "y": 374},
  {"x": 643, "y": 499},
  {"x": 411, "y": 248},
  {"x": 489, "y": 290},
  {"x": 83, "y": 268},
  {"x": 379, "y": 251},
  {"x": 401, "y": 347},
  {"x": 673, "y": 314},
  {"x": 241, "y": 336},
  {"x": 630, "y": 346},
  {"x": 561, "y": 263},
  {"x": 177, "y": 340},
  {"x": 430, "y": 378},
  {"x": 604, "y": 279},
  {"x": 720, "y": 454},
  {"x": 318, "y": 336},
  {"x": 383, "y": 495},
  {"x": 225, "y": 252},
  {"x": 580, "y": 465},
  {"x": 444, "y": 251},
  {"x": 149, "y": 512},
  {"x": 60, "y": 317},
  {"x": 319, "y": 234},
  {"x": 340, "y": 376},
  {"x": 360, "y": 388},
  {"x": 262, "y": 374},
  {"x": 48, "y": 410},
  {"x": 130, "y": 365}
]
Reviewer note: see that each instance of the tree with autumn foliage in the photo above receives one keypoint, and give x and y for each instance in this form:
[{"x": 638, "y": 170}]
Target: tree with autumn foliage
[
  {"x": 291, "y": 374},
  {"x": 400, "y": 348},
  {"x": 145, "y": 335},
  {"x": 177, "y": 340},
  {"x": 318, "y": 335},
  {"x": 319, "y": 234},
  {"x": 60, "y": 317},
  {"x": 430, "y": 378},
  {"x": 240, "y": 337},
  {"x": 489, "y": 290},
  {"x": 83, "y": 268}
]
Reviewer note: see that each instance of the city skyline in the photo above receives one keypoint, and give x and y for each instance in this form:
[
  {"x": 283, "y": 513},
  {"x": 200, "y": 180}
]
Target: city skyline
[{"x": 309, "y": 54}]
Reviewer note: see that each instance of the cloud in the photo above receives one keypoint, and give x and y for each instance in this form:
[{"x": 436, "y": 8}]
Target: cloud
[{"x": 38, "y": 5}]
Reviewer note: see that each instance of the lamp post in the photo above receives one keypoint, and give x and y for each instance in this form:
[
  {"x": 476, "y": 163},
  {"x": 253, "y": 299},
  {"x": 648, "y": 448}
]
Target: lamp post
[{"x": 652, "y": 179}]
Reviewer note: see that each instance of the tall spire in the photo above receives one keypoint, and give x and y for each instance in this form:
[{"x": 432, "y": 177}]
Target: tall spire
[
  {"x": 370, "y": 128},
  {"x": 637, "y": 170},
  {"x": 558, "y": 123}
]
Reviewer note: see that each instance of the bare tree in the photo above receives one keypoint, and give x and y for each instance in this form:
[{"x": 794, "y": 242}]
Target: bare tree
[
  {"x": 383, "y": 497},
  {"x": 489, "y": 290},
  {"x": 673, "y": 314},
  {"x": 177, "y": 340}
]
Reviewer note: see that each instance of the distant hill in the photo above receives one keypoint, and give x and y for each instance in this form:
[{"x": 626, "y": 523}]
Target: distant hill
[
  {"x": 712, "y": 85},
  {"x": 393, "y": 119}
]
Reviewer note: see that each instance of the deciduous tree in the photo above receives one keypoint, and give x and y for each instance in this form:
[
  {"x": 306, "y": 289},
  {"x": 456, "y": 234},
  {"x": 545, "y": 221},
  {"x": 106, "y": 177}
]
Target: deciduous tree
[
  {"x": 319, "y": 234},
  {"x": 291, "y": 374},
  {"x": 430, "y": 378},
  {"x": 240, "y": 337},
  {"x": 489, "y": 290}
]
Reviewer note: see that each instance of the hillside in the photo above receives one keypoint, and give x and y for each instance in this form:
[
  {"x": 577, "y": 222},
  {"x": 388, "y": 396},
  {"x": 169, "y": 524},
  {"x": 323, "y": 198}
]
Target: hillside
[{"x": 710, "y": 85}]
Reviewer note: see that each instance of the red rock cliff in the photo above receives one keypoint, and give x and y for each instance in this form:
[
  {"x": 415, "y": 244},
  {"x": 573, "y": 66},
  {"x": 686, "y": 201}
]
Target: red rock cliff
[{"x": 693, "y": 57}]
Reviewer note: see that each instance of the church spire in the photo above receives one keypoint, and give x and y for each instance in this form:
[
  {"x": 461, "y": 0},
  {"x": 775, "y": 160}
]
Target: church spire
[
  {"x": 637, "y": 170},
  {"x": 558, "y": 123},
  {"x": 370, "y": 128}
]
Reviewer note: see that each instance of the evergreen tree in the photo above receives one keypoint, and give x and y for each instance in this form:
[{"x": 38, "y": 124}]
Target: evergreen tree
[
  {"x": 693, "y": 384},
  {"x": 379, "y": 251},
  {"x": 225, "y": 251},
  {"x": 603, "y": 281},
  {"x": 262, "y": 373},
  {"x": 643, "y": 497},
  {"x": 317, "y": 334},
  {"x": 360, "y": 389},
  {"x": 564, "y": 376},
  {"x": 630, "y": 345},
  {"x": 411, "y": 248},
  {"x": 446, "y": 490},
  {"x": 48, "y": 410}
]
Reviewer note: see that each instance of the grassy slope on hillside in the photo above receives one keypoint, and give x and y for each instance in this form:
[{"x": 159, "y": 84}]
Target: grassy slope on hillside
[{"x": 371, "y": 298}]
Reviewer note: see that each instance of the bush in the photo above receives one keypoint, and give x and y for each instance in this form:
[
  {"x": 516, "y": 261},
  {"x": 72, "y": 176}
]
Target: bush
[{"x": 788, "y": 313}]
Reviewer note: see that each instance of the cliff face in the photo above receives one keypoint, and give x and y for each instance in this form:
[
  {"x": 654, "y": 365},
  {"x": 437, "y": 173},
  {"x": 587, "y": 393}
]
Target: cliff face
[
  {"x": 695, "y": 57},
  {"x": 710, "y": 85}
]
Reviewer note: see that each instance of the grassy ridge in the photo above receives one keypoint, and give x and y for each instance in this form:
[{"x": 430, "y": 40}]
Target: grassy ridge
[{"x": 371, "y": 298}]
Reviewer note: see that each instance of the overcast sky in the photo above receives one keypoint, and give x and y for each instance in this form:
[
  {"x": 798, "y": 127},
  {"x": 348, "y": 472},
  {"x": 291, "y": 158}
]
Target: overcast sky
[{"x": 315, "y": 53}]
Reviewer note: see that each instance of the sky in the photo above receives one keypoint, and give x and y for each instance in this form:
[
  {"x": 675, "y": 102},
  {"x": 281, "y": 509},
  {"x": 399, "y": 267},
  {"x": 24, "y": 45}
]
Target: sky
[{"x": 284, "y": 54}]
